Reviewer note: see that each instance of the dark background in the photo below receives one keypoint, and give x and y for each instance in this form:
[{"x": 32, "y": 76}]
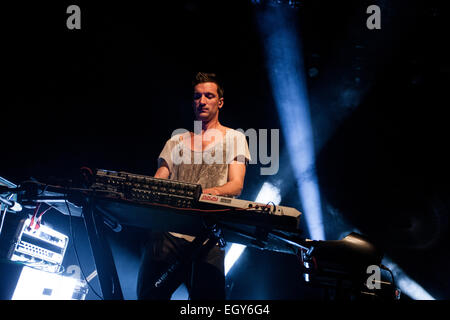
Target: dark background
[{"x": 109, "y": 96}]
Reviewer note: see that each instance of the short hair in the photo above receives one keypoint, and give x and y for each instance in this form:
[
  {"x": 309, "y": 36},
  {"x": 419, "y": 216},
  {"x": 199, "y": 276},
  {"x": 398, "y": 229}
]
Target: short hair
[{"x": 201, "y": 77}]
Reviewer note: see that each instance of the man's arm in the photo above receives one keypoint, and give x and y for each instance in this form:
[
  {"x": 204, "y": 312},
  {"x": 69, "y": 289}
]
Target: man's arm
[{"x": 235, "y": 184}]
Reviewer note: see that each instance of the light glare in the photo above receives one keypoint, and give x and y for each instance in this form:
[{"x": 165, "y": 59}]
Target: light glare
[
  {"x": 36, "y": 284},
  {"x": 268, "y": 193}
]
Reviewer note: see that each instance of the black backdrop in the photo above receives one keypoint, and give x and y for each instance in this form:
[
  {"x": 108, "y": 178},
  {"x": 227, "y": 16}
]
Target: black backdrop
[{"x": 109, "y": 95}]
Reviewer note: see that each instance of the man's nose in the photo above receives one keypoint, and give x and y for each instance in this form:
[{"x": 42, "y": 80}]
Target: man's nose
[{"x": 203, "y": 100}]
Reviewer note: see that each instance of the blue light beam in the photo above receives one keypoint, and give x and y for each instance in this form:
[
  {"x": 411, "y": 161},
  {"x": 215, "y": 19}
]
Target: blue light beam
[
  {"x": 286, "y": 74},
  {"x": 405, "y": 283}
]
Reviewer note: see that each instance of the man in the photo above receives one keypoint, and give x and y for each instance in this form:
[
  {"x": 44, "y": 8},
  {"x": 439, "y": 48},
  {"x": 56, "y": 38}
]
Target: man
[{"x": 214, "y": 156}]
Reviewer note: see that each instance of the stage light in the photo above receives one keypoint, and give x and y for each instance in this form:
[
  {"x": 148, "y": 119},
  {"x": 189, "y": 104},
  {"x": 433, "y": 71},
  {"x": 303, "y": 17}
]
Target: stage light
[
  {"x": 287, "y": 77},
  {"x": 407, "y": 285},
  {"x": 36, "y": 284}
]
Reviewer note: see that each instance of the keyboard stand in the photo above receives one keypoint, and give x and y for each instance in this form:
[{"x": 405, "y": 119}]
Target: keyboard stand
[{"x": 101, "y": 251}]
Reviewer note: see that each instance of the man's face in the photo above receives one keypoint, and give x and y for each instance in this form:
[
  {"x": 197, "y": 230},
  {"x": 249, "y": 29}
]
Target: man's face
[{"x": 206, "y": 101}]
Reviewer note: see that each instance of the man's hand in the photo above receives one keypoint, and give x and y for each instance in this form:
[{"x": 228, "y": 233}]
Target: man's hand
[{"x": 213, "y": 191}]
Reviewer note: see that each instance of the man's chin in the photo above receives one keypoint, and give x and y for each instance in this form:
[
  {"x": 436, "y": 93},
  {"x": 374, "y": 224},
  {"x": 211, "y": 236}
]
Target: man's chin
[{"x": 203, "y": 117}]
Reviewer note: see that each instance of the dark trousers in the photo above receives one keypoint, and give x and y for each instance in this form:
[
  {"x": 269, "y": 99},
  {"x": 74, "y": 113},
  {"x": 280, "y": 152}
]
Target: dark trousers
[{"x": 204, "y": 277}]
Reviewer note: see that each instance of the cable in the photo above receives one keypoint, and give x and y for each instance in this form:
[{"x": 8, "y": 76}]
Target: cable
[
  {"x": 76, "y": 252},
  {"x": 274, "y": 207},
  {"x": 34, "y": 215},
  {"x": 190, "y": 209},
  {"x": 41, "y": 266},
  {"x": 38, "y": 220},
  {"x": 389, "y": 270},
  {"x": 4, "y": 215}
]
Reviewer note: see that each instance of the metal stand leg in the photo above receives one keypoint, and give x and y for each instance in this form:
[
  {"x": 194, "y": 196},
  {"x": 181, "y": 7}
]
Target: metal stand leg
[{"x": 103, "y": 258}]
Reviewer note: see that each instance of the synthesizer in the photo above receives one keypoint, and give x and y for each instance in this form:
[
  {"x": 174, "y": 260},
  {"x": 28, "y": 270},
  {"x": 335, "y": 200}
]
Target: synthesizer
[
  {"x": 248, "y": 205},
  {"x": 141, "y": 189},
  {"x": 137, "y": 187},
  {"x": 124, "y": 185},
  {"x": 169, "y": 205}
]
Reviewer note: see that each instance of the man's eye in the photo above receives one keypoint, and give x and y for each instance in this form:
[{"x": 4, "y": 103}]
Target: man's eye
[{"x": 197, "y": 96}]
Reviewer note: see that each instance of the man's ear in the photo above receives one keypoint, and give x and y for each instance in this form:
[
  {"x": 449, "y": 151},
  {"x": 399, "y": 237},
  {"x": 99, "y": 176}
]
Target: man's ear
[{"x": 220, "y": 102}]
